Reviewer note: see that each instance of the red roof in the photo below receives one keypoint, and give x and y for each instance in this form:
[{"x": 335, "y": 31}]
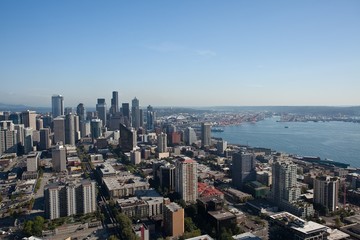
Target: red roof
[{"x": 206, "y": 190}]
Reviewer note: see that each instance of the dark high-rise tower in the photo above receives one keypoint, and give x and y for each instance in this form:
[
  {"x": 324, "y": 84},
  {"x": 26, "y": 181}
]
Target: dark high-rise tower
[
  {"x": 150, "y": 118},
  {"x": 101, "y": 109},
  {"x": 128, "y": 139},
  {"x": 69, "y": 129},
  {"x": 81, "y": 112},
  {"x": 57, "y": 105},
  {"x": 114, "y": 103},
  {"x": 205, "y": 134},
  {"x": 135, "y": 113},
  {"x": 243, "y": 169},
  {"x": 95, "y": 126},
  {"x": 126, "y": 110},
  {"x": 44, "y": 139}
]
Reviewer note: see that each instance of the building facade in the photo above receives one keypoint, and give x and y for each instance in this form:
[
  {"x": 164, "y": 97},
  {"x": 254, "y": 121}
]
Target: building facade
[
  {"x": 69, "y": 129},
  {"x": 59, "y": 129},
  {"x": 205, "y": 134},
  {"x": 150, "y": 118},
  {"x": 173, "y": 219},
  {"x": 243, "y": 169},
  {"x": 326, "y": 192},
  {"x": 59, "y": 158},
  {"x": 114, "y": 103},
  {"x": 190, "y": 136},
  {"x": 101, "y": 109},
  {"x": 162, "y": 142},
  {"x": 135, "y": 113},
  {"x": 57, "y": 104},
  {"x": 95, "y": 128},
  {"x": 29, "y": 119},
  {"x": 186, "y": 179},
  {"x": 284, "y": 182},
  {"x": 63, "y": 200}
]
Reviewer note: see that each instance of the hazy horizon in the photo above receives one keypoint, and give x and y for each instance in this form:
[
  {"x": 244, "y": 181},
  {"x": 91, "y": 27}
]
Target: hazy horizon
[
  {"x": 190, "y": 106},
  {"x": 188, "y": 53}
]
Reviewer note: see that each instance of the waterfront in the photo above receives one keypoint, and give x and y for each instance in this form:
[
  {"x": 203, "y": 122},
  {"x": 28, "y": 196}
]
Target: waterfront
[{"x": 338, "y": 141}]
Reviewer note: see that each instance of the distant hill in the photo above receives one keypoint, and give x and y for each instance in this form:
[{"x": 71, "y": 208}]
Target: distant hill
[
  {"x": 20, "y": 108},
  {"x": 323, "y": 110}
]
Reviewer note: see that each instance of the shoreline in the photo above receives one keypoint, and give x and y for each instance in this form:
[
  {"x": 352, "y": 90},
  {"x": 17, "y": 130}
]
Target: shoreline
[{"x": 339, "y": 144}]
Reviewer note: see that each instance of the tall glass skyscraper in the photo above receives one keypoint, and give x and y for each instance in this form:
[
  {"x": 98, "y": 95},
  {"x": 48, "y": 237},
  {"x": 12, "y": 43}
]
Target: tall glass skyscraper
[
  {"x": 81, "y": 112},
  {"x": 135, "y": 113},
  {"x": 243, "y": 169},
  {"x": 114, "y": 103},
  {"x": 101, "y": 109},
  {"x": 150, "y": 118},
  {"x": 57, "y": 105},
  {"x": 205, "y": 134}
]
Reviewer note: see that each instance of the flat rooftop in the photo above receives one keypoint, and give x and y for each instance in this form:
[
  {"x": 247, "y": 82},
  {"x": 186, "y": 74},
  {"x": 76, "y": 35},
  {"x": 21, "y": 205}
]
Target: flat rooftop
[
  {"x": 202, "y": 237},
  {"x": 221, "y": 215},
  {"x": 246, "y": 236},
  {"x": 353, "y": 219},
  {"x": 298, "y": 224},
  {"x": 130, "y": 202},
  {"x": 237, "y": 193},
  {"x": 335, "y": 234},
  {"x": 114, "y": 183},
  {"x": 173, "y": 207},
  {"x": 33, "y": 155},
  {"x": 107, "y": 169},
  {"x": 352, "y": 229}
]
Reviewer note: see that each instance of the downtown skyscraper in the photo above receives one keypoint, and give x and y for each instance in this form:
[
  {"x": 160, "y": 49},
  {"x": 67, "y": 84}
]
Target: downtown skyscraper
[
  {"x": 150, "y": 118},
  {"x": 101, "y": 109},
  {"x": 81, "y": 112},
  {"x": 57, "y": 103},
  {"x": 114, "y": 103},
  {"x": 70, "y": 129},
  {"x": 135, "y": 113},
  {"x": 205, "y": 134}
]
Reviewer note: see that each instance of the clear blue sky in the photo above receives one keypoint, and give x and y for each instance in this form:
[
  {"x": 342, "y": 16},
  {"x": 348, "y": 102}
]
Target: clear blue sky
[{"x": 181, "y": 53}]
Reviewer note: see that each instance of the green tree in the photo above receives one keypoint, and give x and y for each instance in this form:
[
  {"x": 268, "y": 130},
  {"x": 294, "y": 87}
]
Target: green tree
[
  {"x": 113, "y": 237},
  {"x": 125, "y": 227},
  {"x": 338, "y": 223},
  {"x": 28, "y": 226},
  {"x": 189, "y": 225},
  {"x": 38, "y": 226},
  {"x": 194, "y": 233}
]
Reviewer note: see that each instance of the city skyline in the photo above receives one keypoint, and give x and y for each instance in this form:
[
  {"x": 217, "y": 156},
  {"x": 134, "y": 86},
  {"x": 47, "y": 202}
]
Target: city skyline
[{"x": 236, "y": 53}]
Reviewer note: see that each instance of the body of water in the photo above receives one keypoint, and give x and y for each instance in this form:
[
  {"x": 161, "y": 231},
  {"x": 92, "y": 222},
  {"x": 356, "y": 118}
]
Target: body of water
[{"x": 338, "y": 141}]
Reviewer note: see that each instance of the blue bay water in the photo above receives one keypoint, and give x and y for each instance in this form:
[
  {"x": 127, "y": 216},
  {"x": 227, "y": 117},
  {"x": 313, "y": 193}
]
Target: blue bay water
[{"x": 338, "y": 141}]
